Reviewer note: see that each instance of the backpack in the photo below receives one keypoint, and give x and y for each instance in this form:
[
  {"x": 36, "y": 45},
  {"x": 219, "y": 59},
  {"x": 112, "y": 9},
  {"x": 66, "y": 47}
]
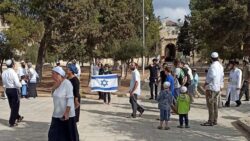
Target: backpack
[
  {"x": 181, "y": 77},
  {"x": 188, "y": 82}
]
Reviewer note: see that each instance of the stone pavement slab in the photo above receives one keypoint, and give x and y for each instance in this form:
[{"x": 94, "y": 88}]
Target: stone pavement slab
[{"x": 109, "y": 122}]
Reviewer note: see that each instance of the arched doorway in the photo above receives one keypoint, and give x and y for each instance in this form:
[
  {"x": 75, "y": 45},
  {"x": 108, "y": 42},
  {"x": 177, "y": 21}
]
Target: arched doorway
[{"x": 170, "y": 52}]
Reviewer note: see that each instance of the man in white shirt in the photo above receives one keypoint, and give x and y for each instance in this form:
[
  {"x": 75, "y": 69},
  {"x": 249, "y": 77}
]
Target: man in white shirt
[
  {"x": 214, "y": 84},
  {"x": 12, "y": 85},
  {"x": 234, "y": 85},
  {"x": 22, "y": 70},
  {"x": 135, "y": 91}
]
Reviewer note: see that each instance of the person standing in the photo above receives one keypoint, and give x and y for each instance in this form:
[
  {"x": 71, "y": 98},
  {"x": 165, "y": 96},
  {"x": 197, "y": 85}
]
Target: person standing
[
  {"x": 135, "y": 90},
  {"x": 63, "y": 125},
  {"x": 106, "y": 95},
  {"x": 153, "y": 78},
  {"x": 164, "y": 104},
  {"x": 33, "y": 77},
  {"x": 12, "y": 85},
  {"x": 163, "y": 75},
  {"x": 183, "y": 106},
  {"x": 22, "y": 71},
  {"x": 71, "y": 71},
  {"x": 246, "y": 78},
  {"x": 101, "y": 70},
  {"x": 233, "y": 90},
  {"x": 178, "y": 78},
  {"x": 195, "y": 83},
  {"x": 213, "y": 85},
  {"x": 78, "y": 68},
  {"x": 170, "y": 79}
]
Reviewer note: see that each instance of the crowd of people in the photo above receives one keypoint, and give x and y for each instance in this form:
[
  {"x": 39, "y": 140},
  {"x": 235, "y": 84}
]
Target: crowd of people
[
  {"x": 65, "y": 93},
  {"x": 178, "y": 88}
]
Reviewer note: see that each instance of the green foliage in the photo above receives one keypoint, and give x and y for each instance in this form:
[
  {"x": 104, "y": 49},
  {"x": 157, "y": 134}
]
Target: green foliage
[
  {"x": 220, "y": 25},
  {"x": 184, "y": 43},
  {"x": 129, "y": 49}
]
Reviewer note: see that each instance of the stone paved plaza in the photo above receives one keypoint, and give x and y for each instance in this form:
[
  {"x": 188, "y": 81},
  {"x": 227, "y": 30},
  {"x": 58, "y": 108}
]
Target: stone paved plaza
[{"x": 99, "y": 122}]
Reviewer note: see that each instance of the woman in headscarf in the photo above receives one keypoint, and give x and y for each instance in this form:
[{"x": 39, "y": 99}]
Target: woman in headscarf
[
  {"x": 71, "y": 71},
  {"x": 33, "y": 76},
  {"x": 63, "y": 126}
]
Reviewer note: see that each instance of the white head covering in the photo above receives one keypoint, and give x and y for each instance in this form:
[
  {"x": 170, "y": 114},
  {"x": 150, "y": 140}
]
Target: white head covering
[
  {"x": 183, "y": 89},
  {"x": 166, "y": 85},
  {"x": 214, "y": 55},
  {"x": 59, "y": 70},
  {"x": 8, "y": 62}
]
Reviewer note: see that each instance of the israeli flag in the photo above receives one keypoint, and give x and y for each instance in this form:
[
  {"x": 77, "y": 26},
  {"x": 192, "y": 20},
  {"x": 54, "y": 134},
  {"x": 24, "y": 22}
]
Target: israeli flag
[{"x": 104, "y": 83}]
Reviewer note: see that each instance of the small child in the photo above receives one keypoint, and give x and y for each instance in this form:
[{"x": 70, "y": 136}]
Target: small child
[
  {"x": 183, "y": 107},
  {"x": 165, "y": 102},
  {"x": 24, "y": 86}
]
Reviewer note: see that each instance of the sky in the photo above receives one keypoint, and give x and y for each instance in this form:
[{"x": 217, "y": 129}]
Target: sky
[{"x": 173, "y": 9}]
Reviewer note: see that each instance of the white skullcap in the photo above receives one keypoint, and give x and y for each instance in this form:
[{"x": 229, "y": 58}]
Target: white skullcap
[
  {"x": 8, "y": 62},
  {"x": 166, "y": 85},
  {"x": 59, "y": 70},
  {"x": 183, "y": 89},
  {"x": 22, "y": 61},
  {"x": 214, "y": 55}
]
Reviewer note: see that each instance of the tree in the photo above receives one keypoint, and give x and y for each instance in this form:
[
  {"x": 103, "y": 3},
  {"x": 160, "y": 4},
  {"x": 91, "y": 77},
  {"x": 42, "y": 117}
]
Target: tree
[
  {"x": 184, "y": 39},
  {"x": 220, "y": 25}
]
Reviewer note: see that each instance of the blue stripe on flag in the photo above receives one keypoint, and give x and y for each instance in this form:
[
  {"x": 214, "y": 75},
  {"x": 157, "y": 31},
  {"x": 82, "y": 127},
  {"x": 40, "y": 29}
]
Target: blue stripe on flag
[
  {"x": 105, "y": 89},
  {"x": 104, "y": 77}
]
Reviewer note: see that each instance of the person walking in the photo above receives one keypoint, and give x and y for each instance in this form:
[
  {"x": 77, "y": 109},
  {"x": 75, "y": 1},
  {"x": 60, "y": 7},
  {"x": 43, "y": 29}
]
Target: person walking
[
  {"x": 106, "y": 95},
  {"x": 246, "y": 79},
  {"x": 33, "y": 77},
  {"x": 233, "y": 90},
  {"x": 195, "y": 84},
  {"x": 71, "y": 71},
  {"x": 213, "y": 85},
  {"x": 153, "y": 78},
  {"x": 135, "y": 91},
  {"x": 63, "y": 125},
  {"x": 12, "y": 85},
  {"x": 164, "y": 104}
]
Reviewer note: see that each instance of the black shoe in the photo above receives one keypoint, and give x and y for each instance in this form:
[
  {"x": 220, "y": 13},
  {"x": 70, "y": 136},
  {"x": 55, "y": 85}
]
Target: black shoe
[
  {"x": 20, "y": 119},
  {"x": 151, "y": 98},
  {"x": 238, "y": 104},
  {"x": 180, "y": 126},
  {"x": 246, "y": 100},
  {"x": 187, "y": 126},
  {"x": 141, "y": 112},
  {"x": 13, "y": 125}
]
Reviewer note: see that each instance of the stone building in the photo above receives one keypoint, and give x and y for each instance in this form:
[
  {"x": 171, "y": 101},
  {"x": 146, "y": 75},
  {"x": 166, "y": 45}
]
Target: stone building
[{"x": 169, "y": 31}]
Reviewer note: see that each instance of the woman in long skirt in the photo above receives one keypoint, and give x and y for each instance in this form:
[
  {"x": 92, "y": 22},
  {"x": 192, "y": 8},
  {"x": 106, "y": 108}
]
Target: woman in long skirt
[
  {"x": 33, "y": 76},
  {"x": 71, "y": 71},
  {"x": 63, "y": 126}
]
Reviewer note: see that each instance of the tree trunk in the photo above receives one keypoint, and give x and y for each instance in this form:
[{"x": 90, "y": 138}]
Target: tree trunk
[
  {"x": 42, "y": 49},
  {"x": 1, "y": 66},
  {"x": 193, "y": 57},
  {"x": 123, "y": 69}
]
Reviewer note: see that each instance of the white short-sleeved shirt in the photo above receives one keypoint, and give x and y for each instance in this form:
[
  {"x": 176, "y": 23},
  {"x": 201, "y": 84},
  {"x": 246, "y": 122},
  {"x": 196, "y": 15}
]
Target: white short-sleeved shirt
[
  {"x": 63, "y": 97},
  {"x": 135, "y": 77}
]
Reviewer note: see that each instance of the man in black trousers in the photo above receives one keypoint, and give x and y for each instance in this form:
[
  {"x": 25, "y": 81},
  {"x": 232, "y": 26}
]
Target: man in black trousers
[
  {"x": 12, "y": 85},
  {"x": 153, "y": 78}
]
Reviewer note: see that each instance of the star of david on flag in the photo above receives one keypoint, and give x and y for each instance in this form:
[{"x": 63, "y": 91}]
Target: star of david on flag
[{"x": 104, "y": 83}]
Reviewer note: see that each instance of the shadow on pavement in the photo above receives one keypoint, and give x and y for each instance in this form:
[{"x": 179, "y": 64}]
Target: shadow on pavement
[{"x": 25, "y": 131}]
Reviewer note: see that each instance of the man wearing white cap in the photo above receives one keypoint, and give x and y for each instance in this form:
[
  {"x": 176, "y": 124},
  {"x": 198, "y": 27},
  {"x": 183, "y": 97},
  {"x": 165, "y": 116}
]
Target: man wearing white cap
[
  {"x": 214, "y": 83},
  {"x": 12, "y": 85}
]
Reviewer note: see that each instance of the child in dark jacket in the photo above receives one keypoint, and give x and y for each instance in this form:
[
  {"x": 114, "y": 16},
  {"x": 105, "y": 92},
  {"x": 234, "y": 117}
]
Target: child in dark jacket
[{"x": 165, "y": 101}]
